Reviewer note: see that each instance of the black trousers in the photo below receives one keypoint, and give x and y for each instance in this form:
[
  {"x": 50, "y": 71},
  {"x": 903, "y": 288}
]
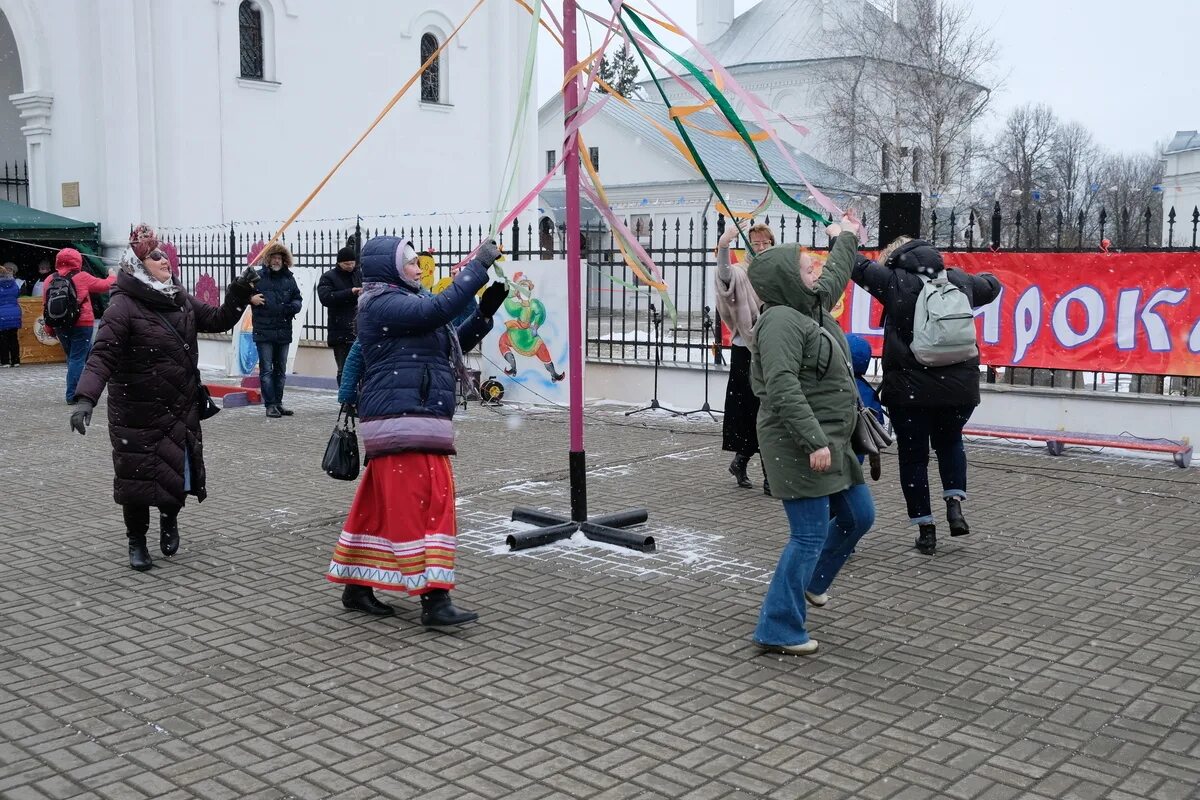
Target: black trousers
[
  {"x": 340, "y": 351},
  {"x": 137, "y": 518},
  {"x": 739, "y": 432},
  {"x": 10, "y": 350}
]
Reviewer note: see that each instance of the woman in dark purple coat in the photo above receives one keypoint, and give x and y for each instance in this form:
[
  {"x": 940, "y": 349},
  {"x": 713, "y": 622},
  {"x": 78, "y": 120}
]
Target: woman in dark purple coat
[{"x": 146, "y": 354}]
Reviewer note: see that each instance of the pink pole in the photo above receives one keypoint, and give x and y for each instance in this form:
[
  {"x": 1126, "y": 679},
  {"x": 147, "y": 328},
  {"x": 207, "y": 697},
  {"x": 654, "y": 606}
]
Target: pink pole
[{"x": 574, "y": 289}]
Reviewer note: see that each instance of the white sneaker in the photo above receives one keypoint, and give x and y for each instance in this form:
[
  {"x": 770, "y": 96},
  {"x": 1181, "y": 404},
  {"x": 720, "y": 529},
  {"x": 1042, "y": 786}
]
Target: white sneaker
[
  {"x": 817, "y": 600},
  {"x": 806, "y": 649}
]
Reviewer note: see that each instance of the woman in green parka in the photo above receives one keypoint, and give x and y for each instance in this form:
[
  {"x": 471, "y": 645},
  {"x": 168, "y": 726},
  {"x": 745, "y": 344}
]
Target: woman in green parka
[{"x": 802, "y": 376}]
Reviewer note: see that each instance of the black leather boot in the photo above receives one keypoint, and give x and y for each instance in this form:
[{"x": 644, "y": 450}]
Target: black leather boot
[
  {"x": 954, "y": 515},
  {"x": 286, "y": 412},
  {"x": 168, "y": 532},
  {"x": 139, "y": 556},
  {"x": 362, "y": 598},
  {"x": 927, "y": 540},
  {"x": 438, "y": 612},
  {"x": 137, "y": 522},
  {"x": 737, "y": 468}
]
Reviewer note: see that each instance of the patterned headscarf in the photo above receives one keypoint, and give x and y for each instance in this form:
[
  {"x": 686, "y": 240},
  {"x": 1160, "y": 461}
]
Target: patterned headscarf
[{"x": 143, "y": 240}]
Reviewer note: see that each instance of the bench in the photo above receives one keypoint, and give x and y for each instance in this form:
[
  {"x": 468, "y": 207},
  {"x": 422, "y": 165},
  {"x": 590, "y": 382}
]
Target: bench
[{"x": 1056, "y": 441}]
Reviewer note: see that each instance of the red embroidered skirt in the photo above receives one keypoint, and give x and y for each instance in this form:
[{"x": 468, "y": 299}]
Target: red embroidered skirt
[{"x": 400, "y": 534}]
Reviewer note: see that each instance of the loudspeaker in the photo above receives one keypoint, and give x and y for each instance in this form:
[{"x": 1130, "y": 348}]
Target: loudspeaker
[{"x": 899, "y": 215}]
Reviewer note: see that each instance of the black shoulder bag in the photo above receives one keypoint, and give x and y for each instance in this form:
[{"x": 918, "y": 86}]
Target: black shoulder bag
[{"x": 341, "y": 454}]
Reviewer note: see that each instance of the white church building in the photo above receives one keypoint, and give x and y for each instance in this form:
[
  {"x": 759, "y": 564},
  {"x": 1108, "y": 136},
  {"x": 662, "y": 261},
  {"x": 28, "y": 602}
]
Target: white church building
[{"x": 200, "y": 112}]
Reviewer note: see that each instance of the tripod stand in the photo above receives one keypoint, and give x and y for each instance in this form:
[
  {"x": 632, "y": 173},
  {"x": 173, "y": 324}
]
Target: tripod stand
[
  {"x": 705, "y": 326},
  {"x": 656, "y": 320}
]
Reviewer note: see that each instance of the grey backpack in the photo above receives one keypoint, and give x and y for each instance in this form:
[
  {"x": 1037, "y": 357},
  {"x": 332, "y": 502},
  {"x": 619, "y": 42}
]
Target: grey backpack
[{"x": 944, "y": 325}]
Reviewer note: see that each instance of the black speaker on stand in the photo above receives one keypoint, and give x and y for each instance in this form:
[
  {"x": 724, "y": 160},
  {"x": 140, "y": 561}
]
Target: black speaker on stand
[{"x": 899, "y": 215}]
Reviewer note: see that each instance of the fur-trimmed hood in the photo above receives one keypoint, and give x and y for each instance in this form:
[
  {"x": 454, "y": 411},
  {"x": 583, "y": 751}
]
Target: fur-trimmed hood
[{"x": 277, "y": 248}]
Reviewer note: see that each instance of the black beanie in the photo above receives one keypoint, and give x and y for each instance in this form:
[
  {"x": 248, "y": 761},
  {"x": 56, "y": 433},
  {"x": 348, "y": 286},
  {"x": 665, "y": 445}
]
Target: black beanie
[{"x": 346, "y": 254}]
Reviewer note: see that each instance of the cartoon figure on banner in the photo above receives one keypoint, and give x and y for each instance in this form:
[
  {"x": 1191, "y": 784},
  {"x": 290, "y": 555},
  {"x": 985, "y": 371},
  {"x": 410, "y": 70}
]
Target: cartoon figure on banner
[{"x": 522, "y": 335}]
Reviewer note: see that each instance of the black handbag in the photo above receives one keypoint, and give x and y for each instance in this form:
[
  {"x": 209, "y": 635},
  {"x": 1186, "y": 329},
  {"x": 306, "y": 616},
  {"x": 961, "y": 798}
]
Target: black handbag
[
  {"x": 869, "y": 435},
  {"x": 341, "y": 454},
  {"x": 204, "y": 402}
]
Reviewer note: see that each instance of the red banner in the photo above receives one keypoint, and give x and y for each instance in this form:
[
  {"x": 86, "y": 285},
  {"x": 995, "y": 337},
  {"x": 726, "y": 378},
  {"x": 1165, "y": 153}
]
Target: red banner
[{"x": 1095, "y": 312}]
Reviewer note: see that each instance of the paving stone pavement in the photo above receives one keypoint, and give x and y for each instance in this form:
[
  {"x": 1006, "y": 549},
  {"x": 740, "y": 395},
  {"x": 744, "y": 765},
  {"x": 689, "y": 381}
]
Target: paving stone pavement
[{"x": 1054, "y": 653}]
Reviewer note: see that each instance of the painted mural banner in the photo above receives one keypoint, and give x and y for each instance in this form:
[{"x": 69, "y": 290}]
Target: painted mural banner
[
  {"x": 527, "y": 348},
  {"x": 1095, "y": 312}
]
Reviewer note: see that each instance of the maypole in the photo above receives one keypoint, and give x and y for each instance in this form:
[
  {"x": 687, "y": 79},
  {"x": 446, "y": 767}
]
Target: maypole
[
  {"x": 554, "y": 528},
  {"x": 578, "y": 466}
]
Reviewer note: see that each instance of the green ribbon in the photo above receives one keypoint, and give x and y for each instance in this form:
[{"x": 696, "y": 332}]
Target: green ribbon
[
  {"x": 726, "y": 110},
  {"x": 514, "y": 150}
]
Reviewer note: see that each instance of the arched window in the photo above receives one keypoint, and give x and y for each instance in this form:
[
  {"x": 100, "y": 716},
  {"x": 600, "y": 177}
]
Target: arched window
[
  {"x": 250, "y": 38},
  {"x": 431, "y": 78}
]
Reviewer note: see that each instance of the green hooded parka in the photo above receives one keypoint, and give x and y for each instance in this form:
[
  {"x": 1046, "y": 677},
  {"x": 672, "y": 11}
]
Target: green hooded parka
[{"x": 801, "y": 372}]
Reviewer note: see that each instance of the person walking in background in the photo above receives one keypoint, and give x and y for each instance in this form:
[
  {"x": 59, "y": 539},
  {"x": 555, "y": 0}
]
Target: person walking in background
[
  {"x": 10, "y": 318},
  {"x": 277, "y": 304},
  {"x": 802, "y": 377},
  {"x": 926, "y": 404},
  {"x": 338, "y": 291},
  {"x": 146, "y": 355},
  {"x": 738, "y": 305},
  {"x": 401, "y": 530},
  {"x": 67, "y": 309}
]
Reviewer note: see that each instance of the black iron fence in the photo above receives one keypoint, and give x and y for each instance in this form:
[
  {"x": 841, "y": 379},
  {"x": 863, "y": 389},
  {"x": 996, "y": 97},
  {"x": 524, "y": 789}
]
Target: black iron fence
[
  {"x": 16, "y": 182},
  {"x": 622, "y": 309}
]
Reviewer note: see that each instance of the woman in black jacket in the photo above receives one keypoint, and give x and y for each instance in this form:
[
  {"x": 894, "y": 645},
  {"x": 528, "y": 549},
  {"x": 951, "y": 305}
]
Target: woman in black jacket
[{"x": 926, "y": 404}]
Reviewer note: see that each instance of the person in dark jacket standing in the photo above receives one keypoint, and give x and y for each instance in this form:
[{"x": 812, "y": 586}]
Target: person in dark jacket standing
[
  {"x": 278, "y": 303},
  {"x": 146, "y": 355},
  {"x": 10, "y": 318},
  {"x": 926, "y": 404},
  {"x": 338, "y": 291},
  {"x": 401, "y": 530}
]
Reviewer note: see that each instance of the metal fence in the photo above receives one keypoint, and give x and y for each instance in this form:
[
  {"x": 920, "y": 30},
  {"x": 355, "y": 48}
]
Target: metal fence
[
  {"x": 627, "y": 320},
  {"x": 16, "y": 182}
]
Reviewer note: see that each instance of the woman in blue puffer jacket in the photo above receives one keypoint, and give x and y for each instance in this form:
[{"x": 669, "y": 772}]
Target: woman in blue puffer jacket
[{"x": 400, "y": 533}]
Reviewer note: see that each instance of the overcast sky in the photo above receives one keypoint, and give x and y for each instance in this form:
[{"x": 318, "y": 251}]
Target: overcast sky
[{"x": 1127, "y": 69}]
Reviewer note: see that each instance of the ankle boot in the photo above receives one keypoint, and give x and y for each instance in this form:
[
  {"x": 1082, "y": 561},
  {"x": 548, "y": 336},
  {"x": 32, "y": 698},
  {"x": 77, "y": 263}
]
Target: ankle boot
[
  {"x": 954, "y": 515},
  {"x": 168, "y": 533},
  {"x": 767, "y": 487},
  {"x": 362, "y": 598},
  {"x": 438, "y": 612},
  {"x": 139, "y": 556},
  {"x": 737, "y": 468},
  {"x": 927, "y": 540}
]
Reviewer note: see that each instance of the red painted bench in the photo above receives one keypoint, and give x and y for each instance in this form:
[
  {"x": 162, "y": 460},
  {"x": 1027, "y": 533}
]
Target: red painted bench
[{"x": 1056, "y": 441}]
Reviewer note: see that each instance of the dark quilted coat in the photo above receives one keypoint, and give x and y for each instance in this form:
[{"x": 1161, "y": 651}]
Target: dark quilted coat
[
  {"x": 152, "y": 383},
  {"x": 907, "y": 383},
  {"x": 273, "y": 319},
  {"x": 405, "y": 337}
]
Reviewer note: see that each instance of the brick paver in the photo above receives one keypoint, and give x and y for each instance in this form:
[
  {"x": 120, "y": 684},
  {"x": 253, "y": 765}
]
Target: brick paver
[{"x": 1053, "y": 653}]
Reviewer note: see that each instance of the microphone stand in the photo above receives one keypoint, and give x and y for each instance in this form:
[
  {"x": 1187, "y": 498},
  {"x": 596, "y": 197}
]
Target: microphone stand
[
  {"x": 705, "y": 326},
  {"x": 656, "y": 320}
]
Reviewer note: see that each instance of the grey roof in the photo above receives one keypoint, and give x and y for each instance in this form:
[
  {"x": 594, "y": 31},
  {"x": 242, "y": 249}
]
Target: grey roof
[
  {"x": 728, "y": 160},
  {"x": 778, "y": 31},
  {"x": 1184, "y": 140}
]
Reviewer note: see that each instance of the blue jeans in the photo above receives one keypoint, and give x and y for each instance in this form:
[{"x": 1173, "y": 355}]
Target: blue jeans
[
  {"x": 76, "y": 343},
  {"x": 272, "y": 370},
  {"x": 915, "y": 429},
  {"x": 818, "y": 547}
]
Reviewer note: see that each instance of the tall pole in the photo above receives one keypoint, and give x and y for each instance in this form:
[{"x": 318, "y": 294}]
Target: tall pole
[{"x": 578, "y": 467}]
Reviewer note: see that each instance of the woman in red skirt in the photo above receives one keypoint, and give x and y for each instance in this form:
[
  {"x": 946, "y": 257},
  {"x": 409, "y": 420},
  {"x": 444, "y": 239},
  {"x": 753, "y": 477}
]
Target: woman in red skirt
[{"x": 400, "y": 534}]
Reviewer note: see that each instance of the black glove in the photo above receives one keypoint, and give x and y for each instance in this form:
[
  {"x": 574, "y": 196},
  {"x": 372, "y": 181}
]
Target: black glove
[
  {"x": 249, "y": 277},
  {"x": 242, "y": 288},
  {"x": 493, "y": 297},
  {"x": 81, "y": 417},
  {"x": 488, "y": 252}
]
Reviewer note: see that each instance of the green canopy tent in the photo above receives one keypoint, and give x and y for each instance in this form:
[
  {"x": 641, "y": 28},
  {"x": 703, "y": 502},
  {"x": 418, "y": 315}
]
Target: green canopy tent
[{"x": 25, "y": 233}]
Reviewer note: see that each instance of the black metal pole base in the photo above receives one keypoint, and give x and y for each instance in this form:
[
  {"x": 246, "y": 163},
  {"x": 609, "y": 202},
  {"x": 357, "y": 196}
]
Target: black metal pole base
[
  {"x": 655, "y": 406},
  {"x": 608, "y": 528},
  {"x": 704, "y": 409}
]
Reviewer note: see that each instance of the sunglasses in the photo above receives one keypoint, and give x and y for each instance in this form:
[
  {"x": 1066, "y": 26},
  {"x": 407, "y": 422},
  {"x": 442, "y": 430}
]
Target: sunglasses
[{"x": 156, "y": 255}]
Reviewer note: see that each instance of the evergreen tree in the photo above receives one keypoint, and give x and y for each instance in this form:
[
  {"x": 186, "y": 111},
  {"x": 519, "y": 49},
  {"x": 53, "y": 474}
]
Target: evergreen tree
[{"x": 620, "y": 72}]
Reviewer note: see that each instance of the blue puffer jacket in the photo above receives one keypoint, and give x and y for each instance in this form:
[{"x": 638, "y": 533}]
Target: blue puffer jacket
[
  {"x": 273, "y": 319},
  {"x": 10, "y": 307},
  {"x": 409, "y": 379}
]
